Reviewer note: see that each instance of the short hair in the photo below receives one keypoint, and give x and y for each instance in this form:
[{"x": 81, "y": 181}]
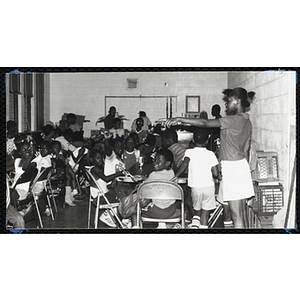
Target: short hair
[
  {"x": 142, "y": 113},
  {"x": 112, "y": 108},
  {"x": 140, "y": 120},
  {"x": 10, "y": 125},
  {"x": 216, "y": 109},
  {"x": 71, "y": 115},
  {"x": 117, "y": 140},
  {"x": 201, "y": 135},
  {"x": 47, "y": 144},
  {"x": 56, "y": 143},
  {"x": 94, "y": 152},
  {"x": 135, "y": 136},
  {"x": 170, "y": 134},
  {"x": 239, "y": 93},
  {"x": 203, "y": 114},
  {"x": 167, "y": 154},
  {"x": 68, "y": 132},
  {"x": 89, "y": 143},
  {"x": 47, "y": 129},
  {"x": 150, "y": 140}
]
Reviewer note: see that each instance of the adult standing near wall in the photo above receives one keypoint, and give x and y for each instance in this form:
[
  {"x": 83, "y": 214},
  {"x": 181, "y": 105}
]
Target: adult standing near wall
[{"x": 236, "y": 131}]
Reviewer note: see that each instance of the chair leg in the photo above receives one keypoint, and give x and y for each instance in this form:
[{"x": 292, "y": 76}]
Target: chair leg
[
  {"x": 138, "y": 214},
  {"x": 50, "y": 207},
  {"x": 52, "y": 196},
  {"x": 38, "y": 211},
  {"x": 77, "y": 181},
  {"x": 97, "y": 212},
  {"x": 89, "y": 212},
  {"x": 182, "y": 215}
]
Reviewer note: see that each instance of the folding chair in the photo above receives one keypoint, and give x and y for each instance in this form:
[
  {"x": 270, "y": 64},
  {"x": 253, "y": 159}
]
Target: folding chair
[
  {"x": 110, "y": 206},
  {"x": 44, "y": 177},
  {"x": 160, "y": 190}
]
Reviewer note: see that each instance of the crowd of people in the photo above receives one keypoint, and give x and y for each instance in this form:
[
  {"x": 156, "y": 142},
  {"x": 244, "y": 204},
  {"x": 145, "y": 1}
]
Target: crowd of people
[{"x": 217, "y": 154}]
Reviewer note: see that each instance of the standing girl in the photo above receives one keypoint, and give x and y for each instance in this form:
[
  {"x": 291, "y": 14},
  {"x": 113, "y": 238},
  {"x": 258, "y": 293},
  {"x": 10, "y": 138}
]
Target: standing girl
[{"x": 236, "y": 130}]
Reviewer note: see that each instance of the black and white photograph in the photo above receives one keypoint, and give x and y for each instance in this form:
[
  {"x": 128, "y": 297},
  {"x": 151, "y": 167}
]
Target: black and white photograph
[
  {"x": 134, "y": 150},
  {"x": 150, "y": 149}
]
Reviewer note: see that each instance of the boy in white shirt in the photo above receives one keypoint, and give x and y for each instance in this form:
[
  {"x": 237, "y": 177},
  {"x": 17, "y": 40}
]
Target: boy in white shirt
[{"x": 203, "y": 168}]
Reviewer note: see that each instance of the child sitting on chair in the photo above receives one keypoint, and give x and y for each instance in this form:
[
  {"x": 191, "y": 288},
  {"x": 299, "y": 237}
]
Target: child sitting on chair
[
  {"x": 102, "y": 180},
  {"x": 130, "y": 155},
  {"x": 157, "y": 208},
  {"x": 203, "y": 168}
]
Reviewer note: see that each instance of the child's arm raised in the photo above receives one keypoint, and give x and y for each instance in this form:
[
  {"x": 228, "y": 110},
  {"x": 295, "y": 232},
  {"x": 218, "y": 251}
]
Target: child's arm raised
[{"x": 108, "y": 149}]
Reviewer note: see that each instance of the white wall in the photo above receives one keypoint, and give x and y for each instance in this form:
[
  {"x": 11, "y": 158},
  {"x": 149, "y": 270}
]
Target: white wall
[
  {"x": 84, "y": 93},
  {"x": 273, "y": 116}
]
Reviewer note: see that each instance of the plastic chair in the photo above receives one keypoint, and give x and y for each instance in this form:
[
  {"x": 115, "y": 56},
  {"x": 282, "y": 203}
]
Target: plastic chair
[
  {"x": 110, "y": 206},
  {"x": 160, "y": 190}
]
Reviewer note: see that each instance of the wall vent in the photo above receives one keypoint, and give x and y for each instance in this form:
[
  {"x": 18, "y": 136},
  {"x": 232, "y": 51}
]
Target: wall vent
[{"x": 132, "y": 83}]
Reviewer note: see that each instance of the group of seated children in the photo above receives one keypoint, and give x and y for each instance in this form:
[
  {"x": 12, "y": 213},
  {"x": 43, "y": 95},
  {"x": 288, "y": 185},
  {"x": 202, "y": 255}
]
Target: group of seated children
[{"x": 116, "y": 153}]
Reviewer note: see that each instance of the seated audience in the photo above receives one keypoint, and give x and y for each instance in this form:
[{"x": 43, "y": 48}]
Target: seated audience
[{"x": 203, "y": 168}]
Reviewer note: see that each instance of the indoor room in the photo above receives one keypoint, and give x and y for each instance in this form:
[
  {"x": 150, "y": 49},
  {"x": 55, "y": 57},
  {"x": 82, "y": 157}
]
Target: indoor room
[{"x": 66, "y": 130}]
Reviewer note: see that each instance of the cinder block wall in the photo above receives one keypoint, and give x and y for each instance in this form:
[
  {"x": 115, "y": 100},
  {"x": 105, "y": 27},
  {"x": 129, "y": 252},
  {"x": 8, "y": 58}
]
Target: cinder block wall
[{"x": 273, "y": 116}]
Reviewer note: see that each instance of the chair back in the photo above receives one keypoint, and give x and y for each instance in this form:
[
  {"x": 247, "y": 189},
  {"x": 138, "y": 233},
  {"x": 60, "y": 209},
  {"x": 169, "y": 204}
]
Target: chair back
[
  {"x": 160, "y": 190},
  {"x": 27, "y": 176},
  {"x": 45, "y": 174},
  {"x": 91, "y": 179}
]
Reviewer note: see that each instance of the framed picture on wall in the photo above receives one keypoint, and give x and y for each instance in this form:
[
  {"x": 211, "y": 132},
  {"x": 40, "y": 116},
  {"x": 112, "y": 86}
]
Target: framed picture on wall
[{"x": 192, "y": 104}]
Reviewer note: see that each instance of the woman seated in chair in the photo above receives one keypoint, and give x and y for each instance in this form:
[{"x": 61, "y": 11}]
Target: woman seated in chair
[{"x": 24, "y": 164}]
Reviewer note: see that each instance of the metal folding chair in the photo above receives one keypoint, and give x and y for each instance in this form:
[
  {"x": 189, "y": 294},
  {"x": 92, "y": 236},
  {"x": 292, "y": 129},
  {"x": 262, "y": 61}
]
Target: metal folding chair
[
  {"x": 109, "y": 206},
  {"x": 43, "y": 176},
  {"x": 160, "y": 190}
]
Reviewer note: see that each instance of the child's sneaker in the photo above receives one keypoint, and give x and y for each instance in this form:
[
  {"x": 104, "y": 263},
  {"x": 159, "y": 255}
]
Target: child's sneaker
[
  {"x": 127, "y": 223},
  {"x": 195, "y": 223},
  {"x": 47, "y": 212},
  {"x": 177, "y": 226},
  {"x": 107, "y": 219}
]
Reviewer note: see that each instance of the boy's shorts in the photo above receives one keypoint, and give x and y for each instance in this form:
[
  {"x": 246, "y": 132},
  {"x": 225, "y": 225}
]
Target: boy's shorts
[{"x": 203, "y": 198}]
